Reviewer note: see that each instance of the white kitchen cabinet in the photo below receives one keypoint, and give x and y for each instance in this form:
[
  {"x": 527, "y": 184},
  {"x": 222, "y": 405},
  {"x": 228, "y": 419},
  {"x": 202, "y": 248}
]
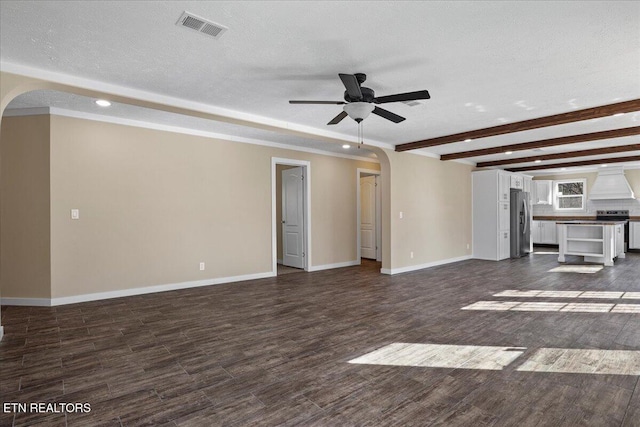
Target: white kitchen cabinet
[
  {"x": 634, "y": 235},
  {"x": 535, "y": 232},
  {"x": 504, "y": 216},
  {"x": 618, "y": 237},
  {"x": 504, "y": 245},
  {"x": 549, "y": 232},
  {"x": 491, "y": 215},
  {"x": 527, "y": 185},
  {"x": 504, "y": 184},
  {"x": 544, "y": 232},
  {"x": 517, "y": 181},
  {"x": 597, "y": 242},
  {"x": 541, "y": 192}
]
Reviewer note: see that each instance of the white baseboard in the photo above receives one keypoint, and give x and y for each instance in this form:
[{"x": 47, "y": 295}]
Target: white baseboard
[
  {"x": 336, "y": 265},
  {"x": 422, "y": 266},
  {"x": 130, "y": 292},
  {"x": 1, "y": 332},
  {"x": 32, "y": 302}
]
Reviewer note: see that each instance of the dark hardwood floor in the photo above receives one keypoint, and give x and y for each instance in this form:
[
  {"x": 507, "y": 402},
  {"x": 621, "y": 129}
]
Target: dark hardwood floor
[{"x": 276, "y": 352}]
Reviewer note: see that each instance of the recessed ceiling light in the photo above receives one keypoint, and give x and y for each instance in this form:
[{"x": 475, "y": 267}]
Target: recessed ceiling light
[
  {"x": 537, "y": 161},
  {"x": 563, "y": 169},
  {"x": 618, "y": 114},
  {"x": 103, "y": 103},
  {"x": 467, "y": 140},
  {"x": 345, "y": 146},
  {"x": 508, "y": 152},
  {"x": 604, "y": 166}
]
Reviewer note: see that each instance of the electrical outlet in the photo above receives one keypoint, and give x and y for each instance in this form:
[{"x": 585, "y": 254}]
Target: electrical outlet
[
  {"x": 201, "y": 266},
  {"x": 75, "y": 213},
  {"x": 401, "y": 215},
  {"x": 411, "y": 254},
  {"x": 468, "y": 246}
]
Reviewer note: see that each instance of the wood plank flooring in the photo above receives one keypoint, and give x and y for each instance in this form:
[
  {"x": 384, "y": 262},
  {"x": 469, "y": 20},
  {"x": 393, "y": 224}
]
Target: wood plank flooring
[{"x": 276, "y": 351}]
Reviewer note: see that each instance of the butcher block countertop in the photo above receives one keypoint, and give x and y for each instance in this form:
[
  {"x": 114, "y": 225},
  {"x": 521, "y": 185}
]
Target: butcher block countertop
[
  {"x": 573, "y": 218},
  {"x": 591, "y": 222},
  {"x": 563, "y": 218}
]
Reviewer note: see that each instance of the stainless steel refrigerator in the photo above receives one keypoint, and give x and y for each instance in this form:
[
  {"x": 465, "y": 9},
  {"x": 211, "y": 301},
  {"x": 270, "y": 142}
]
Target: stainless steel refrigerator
[{"x": 520, "y": 224}]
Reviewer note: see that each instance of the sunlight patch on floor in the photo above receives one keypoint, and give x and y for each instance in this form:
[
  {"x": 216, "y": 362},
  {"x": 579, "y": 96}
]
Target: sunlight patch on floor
[
  {"x": 559, "y": 294},
  {"x": 577, "y": 307},
  {"x": 588, "y": 308},
  {"x": 492, "y": 305},
  {"x": 555, "y": 360},
  {"x": 512, "y": 293},
  {"x": 626, "y": 308},
  {"x": 588, "y": 269},
  {"x": 538, "y": 306},
  {"x": 579, "y": 361},
  {"x": 442, "y": 356},
  {"x": 601, "y": 294}
]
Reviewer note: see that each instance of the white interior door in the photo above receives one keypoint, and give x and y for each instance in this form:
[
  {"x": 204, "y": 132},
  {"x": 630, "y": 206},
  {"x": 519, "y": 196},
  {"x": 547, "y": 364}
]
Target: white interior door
[
  {"x": 368, "y": 217},
  {"x": 293, "y": 217}
]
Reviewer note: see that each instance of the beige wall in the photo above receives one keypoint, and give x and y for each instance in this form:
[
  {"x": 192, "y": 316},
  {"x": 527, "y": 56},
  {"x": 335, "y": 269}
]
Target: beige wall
[
  {"x": 435, "y": 198},
  {"x": 154, "y": 204},
  {"x": 337, "y": 214},
  {"x": 25, "y": 262},
  {"x": 327, "y": 209}
]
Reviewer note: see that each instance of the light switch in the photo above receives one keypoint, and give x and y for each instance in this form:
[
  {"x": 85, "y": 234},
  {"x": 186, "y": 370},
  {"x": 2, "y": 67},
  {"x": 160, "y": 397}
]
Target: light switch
[
  {"x": 401, "y": 215},
  {"x": 75, "y": 213}
]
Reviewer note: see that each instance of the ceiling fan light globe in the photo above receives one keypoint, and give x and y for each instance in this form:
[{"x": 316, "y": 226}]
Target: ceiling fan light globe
[{"x": 358, "y": 111}]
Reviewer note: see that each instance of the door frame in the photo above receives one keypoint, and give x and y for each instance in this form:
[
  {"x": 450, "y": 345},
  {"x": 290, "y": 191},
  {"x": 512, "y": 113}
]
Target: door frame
[
  {"x": 360, "y": 172},
  {"x": 306, "y": 204}
]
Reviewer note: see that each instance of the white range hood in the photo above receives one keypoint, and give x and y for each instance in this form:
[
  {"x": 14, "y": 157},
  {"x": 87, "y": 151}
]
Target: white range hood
[{"x": 611, "y": 184}]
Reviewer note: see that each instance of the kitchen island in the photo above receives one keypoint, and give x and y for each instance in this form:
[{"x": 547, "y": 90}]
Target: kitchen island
[{"x": 597, "y": 241}]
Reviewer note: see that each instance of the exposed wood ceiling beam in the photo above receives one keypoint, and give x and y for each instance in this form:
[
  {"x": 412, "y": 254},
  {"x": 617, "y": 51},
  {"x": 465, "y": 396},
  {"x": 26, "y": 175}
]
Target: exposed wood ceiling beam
[
  {"x": 556, "y": 119},
  {"x": 563, "y": 140},
  {"x": 581, "y": 163},
  {"x": 555, "y": 156}
]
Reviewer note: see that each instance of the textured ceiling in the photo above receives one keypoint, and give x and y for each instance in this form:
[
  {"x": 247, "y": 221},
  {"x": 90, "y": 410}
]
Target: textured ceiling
[{"x": 484, "y": 63}]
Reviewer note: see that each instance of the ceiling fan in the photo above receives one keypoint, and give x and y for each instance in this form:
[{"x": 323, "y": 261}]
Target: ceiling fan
[{"x": 359, "y": 100}]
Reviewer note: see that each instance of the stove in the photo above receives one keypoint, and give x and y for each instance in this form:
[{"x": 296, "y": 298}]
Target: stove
[
  {"x": 622, "y": 215},
  {"x": 612, "y": 215}
]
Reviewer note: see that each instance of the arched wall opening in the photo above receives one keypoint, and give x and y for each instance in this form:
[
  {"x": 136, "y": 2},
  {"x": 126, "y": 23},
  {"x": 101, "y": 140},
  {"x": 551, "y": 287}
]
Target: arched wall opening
[{"x": 13, "y": 86}]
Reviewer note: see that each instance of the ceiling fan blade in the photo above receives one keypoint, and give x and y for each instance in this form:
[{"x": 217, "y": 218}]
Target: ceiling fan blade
[
  {"x": 351, "y": 84},
  {"x": 337, "y": 119},
  {"x": 318, "y": 102},
  {"x": 409, "y": 96},
  {"x": 388, "y": 115}
]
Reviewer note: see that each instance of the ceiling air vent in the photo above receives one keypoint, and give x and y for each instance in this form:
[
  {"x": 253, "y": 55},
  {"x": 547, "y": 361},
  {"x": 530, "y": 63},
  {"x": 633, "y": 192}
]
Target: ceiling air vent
[{"x": 195, "y": 23}]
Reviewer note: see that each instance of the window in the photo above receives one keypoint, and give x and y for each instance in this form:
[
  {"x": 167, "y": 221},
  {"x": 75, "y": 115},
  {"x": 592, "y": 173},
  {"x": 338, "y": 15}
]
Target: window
[{"x": 569, "y": 195}]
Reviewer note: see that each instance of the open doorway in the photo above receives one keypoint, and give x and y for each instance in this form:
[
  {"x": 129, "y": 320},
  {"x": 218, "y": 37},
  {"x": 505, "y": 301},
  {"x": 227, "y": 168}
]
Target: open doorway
[
  {"x": 290, "y": 229},
  {"x": 369, "y": 215}
]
